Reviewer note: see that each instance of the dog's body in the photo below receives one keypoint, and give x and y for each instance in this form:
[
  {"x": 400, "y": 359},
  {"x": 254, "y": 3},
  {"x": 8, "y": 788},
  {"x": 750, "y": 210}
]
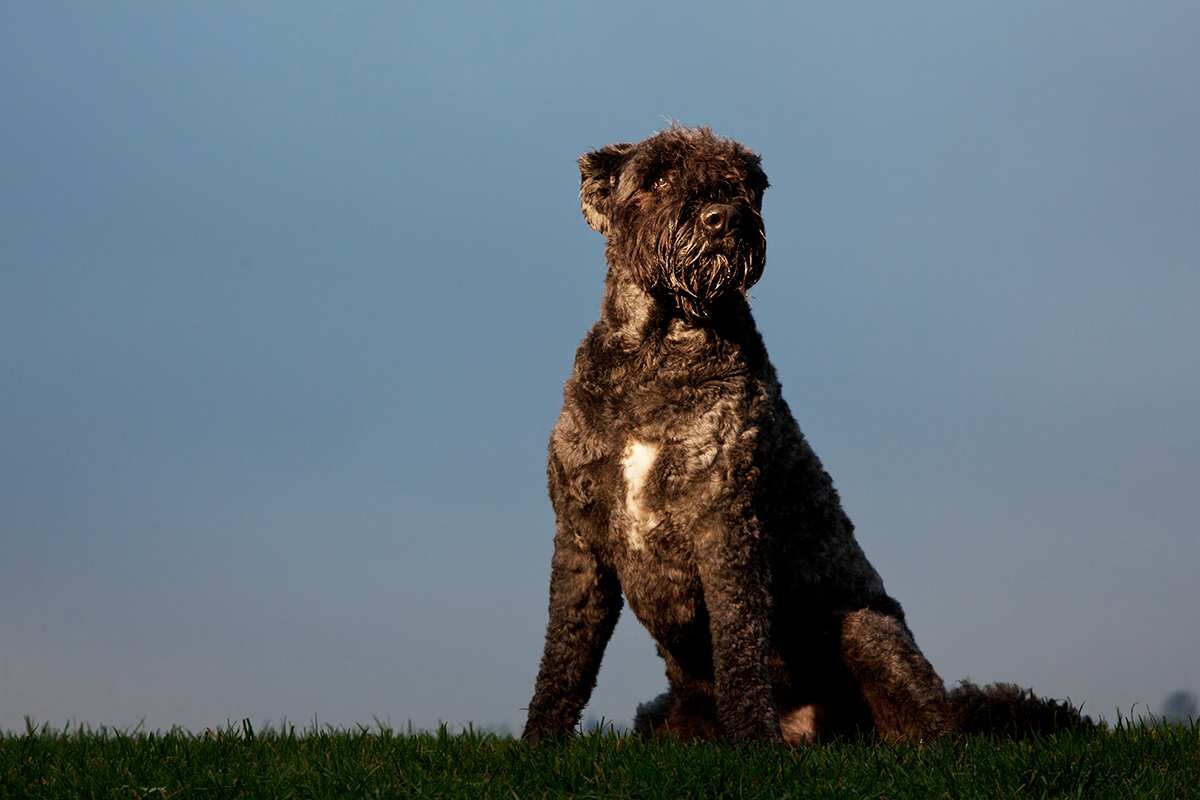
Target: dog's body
[{"x": 680, "y": 478}]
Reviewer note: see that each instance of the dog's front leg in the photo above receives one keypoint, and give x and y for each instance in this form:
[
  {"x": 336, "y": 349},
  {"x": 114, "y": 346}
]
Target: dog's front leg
[
  {"x": 736, "y": 582},
  {"x": 585, "y": 601}
]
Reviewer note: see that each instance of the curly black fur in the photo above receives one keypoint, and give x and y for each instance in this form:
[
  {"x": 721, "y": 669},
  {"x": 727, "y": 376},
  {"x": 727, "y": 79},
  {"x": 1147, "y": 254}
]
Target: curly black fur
[
  {"x": 680, "y": 480},
  {"x": 1005, "y": 709}
]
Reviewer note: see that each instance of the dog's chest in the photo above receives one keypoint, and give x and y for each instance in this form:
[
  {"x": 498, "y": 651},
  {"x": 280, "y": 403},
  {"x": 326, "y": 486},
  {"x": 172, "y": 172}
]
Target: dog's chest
[
  {"x": 653, "y": 473},
  {"x": 638, "y": 516},
  {"x": 666, "y": 481},
  {"x": 642, "y": 461},
  {"x": 649, "y": 532}
]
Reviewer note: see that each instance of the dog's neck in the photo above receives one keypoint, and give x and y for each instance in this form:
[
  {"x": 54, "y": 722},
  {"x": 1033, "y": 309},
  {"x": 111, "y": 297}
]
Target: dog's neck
[{"x": 634, "y": 317}]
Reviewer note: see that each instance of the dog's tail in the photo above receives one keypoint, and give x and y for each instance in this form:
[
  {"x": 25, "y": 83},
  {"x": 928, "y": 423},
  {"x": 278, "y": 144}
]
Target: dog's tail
[{"x": 1007, "y": 710}]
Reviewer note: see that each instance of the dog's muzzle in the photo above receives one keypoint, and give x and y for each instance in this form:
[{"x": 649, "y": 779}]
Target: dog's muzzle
[{"x": 722, "y": 250}]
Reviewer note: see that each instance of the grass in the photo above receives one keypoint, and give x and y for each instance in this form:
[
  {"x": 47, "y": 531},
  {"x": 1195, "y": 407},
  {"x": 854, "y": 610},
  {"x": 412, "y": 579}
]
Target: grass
[{"x": 1128, "y": 761}]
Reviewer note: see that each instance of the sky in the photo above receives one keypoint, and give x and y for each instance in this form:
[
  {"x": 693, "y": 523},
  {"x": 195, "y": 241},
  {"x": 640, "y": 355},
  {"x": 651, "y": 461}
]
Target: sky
[{"x": 288, "y": 292}]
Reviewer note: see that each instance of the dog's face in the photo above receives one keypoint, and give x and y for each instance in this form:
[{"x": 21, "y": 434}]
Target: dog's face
[{"x": 681, "y": 211}]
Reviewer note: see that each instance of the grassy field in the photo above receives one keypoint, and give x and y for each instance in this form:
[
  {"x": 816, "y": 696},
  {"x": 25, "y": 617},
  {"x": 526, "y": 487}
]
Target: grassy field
[{"x": 1125, "y": 762}]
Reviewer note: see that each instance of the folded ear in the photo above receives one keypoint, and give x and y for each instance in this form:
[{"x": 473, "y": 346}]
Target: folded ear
[{"x": 599, "y": 171}]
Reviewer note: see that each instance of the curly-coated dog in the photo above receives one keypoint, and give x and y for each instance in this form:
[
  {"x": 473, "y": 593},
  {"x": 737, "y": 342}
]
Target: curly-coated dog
[{"x": 680, "y": 479}]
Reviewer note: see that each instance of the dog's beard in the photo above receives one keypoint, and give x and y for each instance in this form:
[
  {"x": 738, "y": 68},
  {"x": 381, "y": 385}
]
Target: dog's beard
[{"x": 699, "y": 271}]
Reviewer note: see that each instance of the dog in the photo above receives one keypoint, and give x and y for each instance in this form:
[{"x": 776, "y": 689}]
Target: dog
[{"x": 681, "y": 480}]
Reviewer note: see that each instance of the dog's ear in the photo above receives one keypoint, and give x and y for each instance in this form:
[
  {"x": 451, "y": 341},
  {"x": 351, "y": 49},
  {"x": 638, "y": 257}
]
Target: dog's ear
[
  {"x": 599, "y": 171},
  {"x": 755, "y": 177}
]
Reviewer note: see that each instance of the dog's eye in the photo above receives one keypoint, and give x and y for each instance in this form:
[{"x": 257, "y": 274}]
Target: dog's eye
[{"x": 660, "y": 183}]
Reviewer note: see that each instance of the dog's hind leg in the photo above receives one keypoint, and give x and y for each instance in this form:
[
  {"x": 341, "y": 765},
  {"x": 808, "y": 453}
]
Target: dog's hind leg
[
  {"x": 905, "y": 696},
  {"x": 687, "y": 710},
  {"x": 690, "y": 717}
]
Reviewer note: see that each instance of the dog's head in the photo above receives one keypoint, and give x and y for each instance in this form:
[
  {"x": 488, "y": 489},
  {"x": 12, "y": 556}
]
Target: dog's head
[{"x": 681, "y": 211}]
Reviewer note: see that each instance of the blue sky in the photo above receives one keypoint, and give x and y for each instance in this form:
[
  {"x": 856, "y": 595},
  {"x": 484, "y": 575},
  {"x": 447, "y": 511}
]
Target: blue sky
[{"x": 288, "y": 292}]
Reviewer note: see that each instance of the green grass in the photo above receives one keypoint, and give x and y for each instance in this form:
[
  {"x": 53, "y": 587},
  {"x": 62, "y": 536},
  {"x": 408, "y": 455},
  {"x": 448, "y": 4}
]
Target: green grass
[{"x": 1129, "y": 761}]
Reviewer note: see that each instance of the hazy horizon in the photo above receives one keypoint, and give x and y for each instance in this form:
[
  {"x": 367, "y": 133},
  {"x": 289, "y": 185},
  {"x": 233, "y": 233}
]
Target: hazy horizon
[{"x": 288, "y": 293}]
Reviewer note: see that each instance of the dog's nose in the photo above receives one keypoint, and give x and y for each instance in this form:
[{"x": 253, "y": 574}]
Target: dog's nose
[{"x": 718, "y": 219}]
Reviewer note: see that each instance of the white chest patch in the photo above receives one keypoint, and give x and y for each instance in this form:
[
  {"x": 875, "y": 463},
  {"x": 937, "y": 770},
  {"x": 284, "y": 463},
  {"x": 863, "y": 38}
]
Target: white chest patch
[{"x": 636, "y": 462}]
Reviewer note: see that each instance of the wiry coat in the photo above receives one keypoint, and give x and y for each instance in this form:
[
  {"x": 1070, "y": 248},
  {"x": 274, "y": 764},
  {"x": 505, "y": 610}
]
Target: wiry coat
[{"x": 680, "y": 479}]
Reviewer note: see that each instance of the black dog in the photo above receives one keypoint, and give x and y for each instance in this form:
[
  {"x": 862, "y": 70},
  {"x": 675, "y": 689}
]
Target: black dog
[{"x": 680, "y": 478}]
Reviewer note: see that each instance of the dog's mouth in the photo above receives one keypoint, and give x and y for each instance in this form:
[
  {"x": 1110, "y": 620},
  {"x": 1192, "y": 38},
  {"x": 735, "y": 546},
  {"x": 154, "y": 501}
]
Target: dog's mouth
[{"x": 701, "y": 271}]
